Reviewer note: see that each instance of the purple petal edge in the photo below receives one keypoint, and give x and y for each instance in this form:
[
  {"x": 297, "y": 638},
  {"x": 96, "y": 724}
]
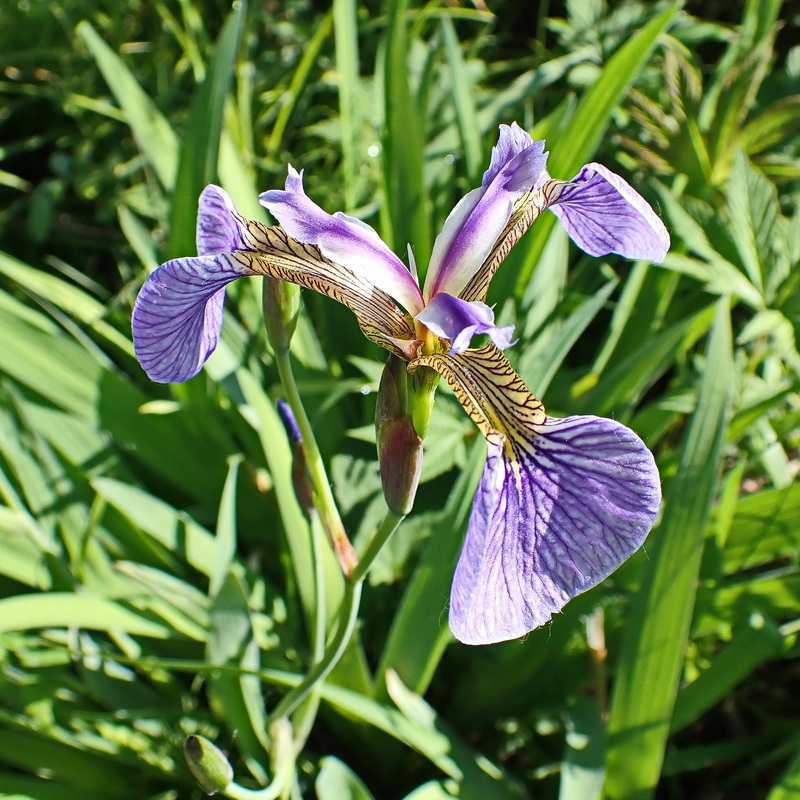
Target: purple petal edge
[
  {"x": 458, "y": 320},
  {"x": 604, "y": 214},
  {"x": 178, "y": 315},
  {"x": 219, "y": 225},
  {"x": 579, "y": 498},
  {"x": 345, "y": 240},
  {"x": 474, "y": 225}
]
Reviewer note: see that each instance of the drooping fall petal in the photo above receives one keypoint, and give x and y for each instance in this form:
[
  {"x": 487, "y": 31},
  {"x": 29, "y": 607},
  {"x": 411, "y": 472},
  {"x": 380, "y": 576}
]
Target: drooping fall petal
[
  {"x": 343, "y": 239},
  {"x": 600, "y": 211},
  {"x": 604, "y": 214},
  {"x": 178, "y": 314},
  {"x": 561, "y": 504}
]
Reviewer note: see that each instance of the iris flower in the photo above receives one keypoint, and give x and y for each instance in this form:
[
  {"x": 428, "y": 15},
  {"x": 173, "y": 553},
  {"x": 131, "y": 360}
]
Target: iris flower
[{"x": 562, "y": 502}]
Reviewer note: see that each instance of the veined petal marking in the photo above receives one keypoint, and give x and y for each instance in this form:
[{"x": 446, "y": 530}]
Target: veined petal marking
[
  {"x": 549, "y": 522},
  {"x": 177, "y": 316},
  {"x": 561, "y": 504},
  {"x": 603, "y": 213},
  {"x": 343, "y": 239},
  {"x": 271, "y": 251},
  {"x": 526, "y": 210},
  {"x": 490, "y": 390}
]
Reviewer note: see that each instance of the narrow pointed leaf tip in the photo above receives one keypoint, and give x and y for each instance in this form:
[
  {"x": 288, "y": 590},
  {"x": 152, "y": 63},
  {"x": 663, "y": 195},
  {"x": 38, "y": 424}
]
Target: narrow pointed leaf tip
[{"x": 603, "y": 214}]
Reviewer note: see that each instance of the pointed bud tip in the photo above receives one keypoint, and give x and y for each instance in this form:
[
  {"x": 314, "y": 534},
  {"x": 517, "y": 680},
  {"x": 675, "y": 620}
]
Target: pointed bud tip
[{"x": 208, "y": 764}]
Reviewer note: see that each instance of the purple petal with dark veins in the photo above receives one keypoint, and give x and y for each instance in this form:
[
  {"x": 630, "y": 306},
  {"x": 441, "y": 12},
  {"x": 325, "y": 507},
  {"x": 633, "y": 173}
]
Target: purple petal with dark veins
[
  {"x": 220, "y": 227},
  {"x": 552, "y": 517},
  {"x": 457, "y": 320},
  {"x": 479, "y": 218},
  {"x": 604, "y": 214},
  {"x": 178, "y": 315},
  {"x": 345, "y": 240}
]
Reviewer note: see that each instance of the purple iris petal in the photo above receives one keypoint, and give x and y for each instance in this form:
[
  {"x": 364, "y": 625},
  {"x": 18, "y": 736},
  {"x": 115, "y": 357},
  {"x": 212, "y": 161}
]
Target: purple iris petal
[
  {"x": 289, "y": 422},
  {"x": 512, "y": 141},
  {"x": 604, "y": 214},
  {"x": 219, "y": 225},
  {"x": 344, "y": 240},
  {"x": 480, "y": 217},
  {"x": 552, "y": 517},
  {"x": 178, "y": 315},
  {"x": 457, "y": 320}
]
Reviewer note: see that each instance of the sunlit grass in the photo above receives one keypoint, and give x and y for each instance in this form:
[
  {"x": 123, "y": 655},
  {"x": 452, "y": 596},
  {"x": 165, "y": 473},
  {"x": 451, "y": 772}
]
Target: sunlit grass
[{"x": 156, "y": 571}]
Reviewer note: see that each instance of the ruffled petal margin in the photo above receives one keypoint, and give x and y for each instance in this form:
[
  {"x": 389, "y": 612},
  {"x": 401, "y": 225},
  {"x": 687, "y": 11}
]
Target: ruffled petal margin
[{"x": 561, "y": 504}]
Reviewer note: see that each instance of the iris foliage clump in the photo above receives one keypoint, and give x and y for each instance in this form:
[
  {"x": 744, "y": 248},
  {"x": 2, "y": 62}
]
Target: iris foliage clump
[{"x": 164, "y": 580}]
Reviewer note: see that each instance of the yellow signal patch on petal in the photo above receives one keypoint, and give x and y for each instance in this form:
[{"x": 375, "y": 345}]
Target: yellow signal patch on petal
[{"x": 491, "y": 392}]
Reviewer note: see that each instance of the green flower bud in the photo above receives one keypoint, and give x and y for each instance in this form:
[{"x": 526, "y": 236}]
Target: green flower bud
[
  {"x": 281, "y": 304},
  {"x": 208, "y": 764}
]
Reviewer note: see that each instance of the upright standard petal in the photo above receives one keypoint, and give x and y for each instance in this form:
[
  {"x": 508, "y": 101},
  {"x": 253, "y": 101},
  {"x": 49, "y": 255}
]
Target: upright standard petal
[
  {"x": 343, "y": 239},
  {"x": 604, "y": 214},
  {"x": 526, "y": 210},
  {"x": 561, "y": 504},
  {"x": 178, "y": 315},
  {"x": 457, "y": 320},
  {"x": 474, "y": 225}
]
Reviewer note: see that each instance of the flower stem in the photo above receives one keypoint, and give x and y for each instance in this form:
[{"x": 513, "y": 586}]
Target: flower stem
[
  {"x": 348, "y": 614},
  {"x": 323, "y": 496},
  {"x": 306, "y": 712},
  {"x": 388, "y": 526}
]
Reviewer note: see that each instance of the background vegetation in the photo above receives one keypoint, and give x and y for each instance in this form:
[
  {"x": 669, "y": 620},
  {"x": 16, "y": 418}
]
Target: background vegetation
[{"x": 154, "y": 566}]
